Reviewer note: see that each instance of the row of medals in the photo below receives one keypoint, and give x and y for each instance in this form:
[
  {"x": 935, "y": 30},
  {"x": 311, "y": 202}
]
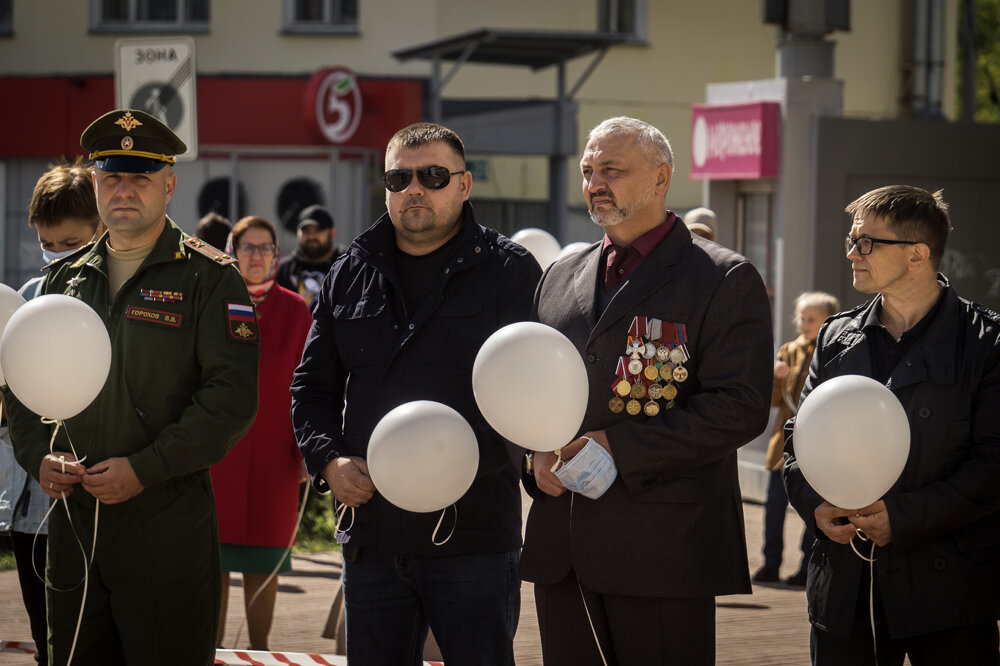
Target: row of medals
[{"x": 670, "y": 370}]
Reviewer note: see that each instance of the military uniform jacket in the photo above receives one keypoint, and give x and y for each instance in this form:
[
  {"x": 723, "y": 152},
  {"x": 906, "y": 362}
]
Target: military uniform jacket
[
  {"x": 364, "y": 346},
  {"x": 671, "y": 525},
  {"x": 942, "y": 568},
  {"x": 182, "y": 388}
]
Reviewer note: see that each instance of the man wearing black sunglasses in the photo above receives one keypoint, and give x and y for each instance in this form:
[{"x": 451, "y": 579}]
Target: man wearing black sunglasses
[
  {"x": 402, "y": 314},
  {"x": 936, "y": 533}
]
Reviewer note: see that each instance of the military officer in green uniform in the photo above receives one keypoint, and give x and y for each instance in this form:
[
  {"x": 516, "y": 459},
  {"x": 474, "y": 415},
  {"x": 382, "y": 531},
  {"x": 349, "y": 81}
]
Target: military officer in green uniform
[{"x": 181, "y": 391}]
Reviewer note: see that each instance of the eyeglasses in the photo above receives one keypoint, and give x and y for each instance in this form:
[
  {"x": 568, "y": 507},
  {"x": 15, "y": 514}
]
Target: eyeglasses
[
  {"x": 866, "y": 244},
  {"x": 265, "y": 250},
  {"x": 431, "y": 177}
]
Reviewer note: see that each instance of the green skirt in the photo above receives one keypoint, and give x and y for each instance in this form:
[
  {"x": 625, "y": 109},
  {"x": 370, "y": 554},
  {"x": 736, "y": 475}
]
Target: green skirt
[{"x": 254, "y": 559}]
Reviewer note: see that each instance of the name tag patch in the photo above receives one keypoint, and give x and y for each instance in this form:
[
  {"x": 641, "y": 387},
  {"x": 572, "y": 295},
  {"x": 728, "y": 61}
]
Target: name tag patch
[{"x": 171, "y": 319}]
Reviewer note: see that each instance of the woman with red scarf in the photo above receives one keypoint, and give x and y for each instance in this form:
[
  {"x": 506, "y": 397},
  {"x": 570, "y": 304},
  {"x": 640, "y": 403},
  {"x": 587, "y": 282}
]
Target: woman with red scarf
[{"x": 257, "y": 484}]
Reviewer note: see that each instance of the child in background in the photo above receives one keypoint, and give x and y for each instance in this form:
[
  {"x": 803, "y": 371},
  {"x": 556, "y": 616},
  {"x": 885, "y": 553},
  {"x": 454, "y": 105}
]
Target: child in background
[
  {"x": 63, "y": 211},
  {"x": 790, "y": 371}
]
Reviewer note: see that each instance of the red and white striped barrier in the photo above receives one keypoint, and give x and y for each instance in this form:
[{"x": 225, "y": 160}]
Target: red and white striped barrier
[
  {"x": 235, "y": 657},
  {"x": 21, "y": 647},
  {"x": 261, "y": 658}
]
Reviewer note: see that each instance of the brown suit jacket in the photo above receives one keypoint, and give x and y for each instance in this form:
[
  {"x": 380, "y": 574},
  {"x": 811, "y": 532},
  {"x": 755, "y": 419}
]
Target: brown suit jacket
[{"x": 671, "y": 525}]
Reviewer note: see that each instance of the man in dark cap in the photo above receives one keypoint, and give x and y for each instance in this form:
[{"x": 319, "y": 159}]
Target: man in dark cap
[
  {"x": 182, "y": 389},
  {"x": 303, "y": 272}
]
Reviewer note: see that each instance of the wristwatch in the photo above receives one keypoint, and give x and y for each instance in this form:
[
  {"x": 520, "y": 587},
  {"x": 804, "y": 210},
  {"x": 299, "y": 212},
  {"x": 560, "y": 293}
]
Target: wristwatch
[{"x": 529, "y": 464}]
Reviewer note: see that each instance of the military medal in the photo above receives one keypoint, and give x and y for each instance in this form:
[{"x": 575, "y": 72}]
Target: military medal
[
  {"x": 651, "y": 367},
  {"x": 620, "y": 388},
  {"x": 669, "y": 392}
]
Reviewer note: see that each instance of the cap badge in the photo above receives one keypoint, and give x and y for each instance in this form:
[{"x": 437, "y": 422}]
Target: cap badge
[
  {"x": 127, "y": 122},
  {"x": 127, "y": 143}
]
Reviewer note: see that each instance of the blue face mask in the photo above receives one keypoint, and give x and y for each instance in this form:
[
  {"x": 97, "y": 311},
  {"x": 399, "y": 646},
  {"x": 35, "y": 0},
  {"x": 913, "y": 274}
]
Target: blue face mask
[
  {"x": 48, "y": 257},
  {"x": 591, "y": 471}
]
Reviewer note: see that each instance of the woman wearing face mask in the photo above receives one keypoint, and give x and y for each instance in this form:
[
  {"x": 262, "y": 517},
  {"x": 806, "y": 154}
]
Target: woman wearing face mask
[{"x": 256, "y": 485}]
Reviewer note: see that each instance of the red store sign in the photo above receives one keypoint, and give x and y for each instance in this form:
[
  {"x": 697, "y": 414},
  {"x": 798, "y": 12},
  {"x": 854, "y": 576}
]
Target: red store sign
[{"x": 735, "y": 141}]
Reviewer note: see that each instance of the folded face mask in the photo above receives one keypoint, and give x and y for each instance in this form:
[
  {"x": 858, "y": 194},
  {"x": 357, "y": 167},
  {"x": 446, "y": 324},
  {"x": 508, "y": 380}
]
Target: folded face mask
[{"x": 590, "y": 472}]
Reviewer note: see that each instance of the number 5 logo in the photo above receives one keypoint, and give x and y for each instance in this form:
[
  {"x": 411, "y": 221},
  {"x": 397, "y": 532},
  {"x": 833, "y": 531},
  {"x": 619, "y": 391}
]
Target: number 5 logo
[{"x": 333, "y": 104}]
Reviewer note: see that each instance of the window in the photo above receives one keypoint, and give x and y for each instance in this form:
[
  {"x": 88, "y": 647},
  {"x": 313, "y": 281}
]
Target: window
[
  {"x": 6, "y": 17},
  {"x": 754, "y": 232},
  {"x": 149, "y": 15},
  {"x": 320, "y": 16},
  {"x": 624, "y": 17}
]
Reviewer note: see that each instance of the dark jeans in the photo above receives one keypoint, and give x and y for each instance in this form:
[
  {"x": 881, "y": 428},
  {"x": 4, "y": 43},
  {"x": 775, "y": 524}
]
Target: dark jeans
[
  {"x": 775, "y": 509},
  {"x": 32, "y": 588},
  {"x": 471, "y": 602}
]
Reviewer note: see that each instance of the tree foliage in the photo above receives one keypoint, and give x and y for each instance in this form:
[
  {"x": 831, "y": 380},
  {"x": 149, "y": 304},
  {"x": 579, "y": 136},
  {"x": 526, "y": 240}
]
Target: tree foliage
[{"x": 987, "y": 86}]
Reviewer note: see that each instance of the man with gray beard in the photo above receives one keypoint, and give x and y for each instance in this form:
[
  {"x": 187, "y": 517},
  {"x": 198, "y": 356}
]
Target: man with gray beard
[{"x": 637, "y": 524}]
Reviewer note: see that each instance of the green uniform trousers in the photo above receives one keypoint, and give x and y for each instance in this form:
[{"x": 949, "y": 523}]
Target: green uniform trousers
[{"x": 156, "y": 566}]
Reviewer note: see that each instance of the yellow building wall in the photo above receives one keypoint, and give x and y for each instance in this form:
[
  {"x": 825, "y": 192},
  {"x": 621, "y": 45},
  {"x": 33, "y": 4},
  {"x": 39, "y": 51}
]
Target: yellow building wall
[{"x": 690, "y": 44}]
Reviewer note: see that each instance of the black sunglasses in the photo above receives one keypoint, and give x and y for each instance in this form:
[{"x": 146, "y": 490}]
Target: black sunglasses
[{"x": 431, "y": 177}]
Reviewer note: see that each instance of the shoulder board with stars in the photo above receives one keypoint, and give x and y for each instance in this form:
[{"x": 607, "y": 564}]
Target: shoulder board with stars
[{"x": 203, "y": 248}]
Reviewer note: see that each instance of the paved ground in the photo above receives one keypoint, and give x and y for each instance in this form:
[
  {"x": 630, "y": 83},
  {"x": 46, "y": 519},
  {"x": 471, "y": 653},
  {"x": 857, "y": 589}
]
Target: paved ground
[{"x": 768, "y": 627}]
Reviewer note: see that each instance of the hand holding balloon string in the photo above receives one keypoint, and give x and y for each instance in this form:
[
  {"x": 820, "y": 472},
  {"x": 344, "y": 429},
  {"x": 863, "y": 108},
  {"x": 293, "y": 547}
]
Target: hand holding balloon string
[
  {"x": 349, "y": 480},
  {"x": 112, "y": 481}
]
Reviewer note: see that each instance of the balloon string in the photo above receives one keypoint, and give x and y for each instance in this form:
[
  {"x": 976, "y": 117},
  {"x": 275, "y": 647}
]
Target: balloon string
[
  {"x": 340, "y": 519},
  {"x": 83, "y": 551},
  {"x": 864, "y": 537},
  {"x": 440, "y": 520},
  {"x": 274, "y": 572},
  {"x": 871, "y": 586},
  {"x": 559, "y": 461},
  {"x": 583, "y": 599}
]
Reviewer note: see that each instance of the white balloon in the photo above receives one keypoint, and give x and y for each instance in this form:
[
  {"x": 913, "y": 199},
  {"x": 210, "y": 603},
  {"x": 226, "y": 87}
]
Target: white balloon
[
  {"x": 540, "y": 243},
  {"x": 423, "y": 456},
  {"x": 572, "y": 248},
  {"x": 531, "y": 385},
  {"x": 852, "y": 439},
  {"x": 56, "y": 355},
  {"x": 10, "y": 300}
]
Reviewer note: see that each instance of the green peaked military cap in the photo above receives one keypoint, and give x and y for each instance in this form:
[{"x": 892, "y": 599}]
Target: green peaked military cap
[{"x": 132, "y": 141}]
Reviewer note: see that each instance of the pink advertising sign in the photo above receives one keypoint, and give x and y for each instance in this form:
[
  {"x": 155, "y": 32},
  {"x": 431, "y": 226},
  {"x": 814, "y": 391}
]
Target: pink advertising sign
[{"x": 735, "y": 141}]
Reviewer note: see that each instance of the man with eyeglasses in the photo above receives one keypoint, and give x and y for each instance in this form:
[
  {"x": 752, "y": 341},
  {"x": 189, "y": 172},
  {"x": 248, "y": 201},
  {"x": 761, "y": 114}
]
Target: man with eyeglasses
[
  {"x": 400, "y": 318},
  {"x": 181, "y": 391},
  {"x": 936, "y": 534}
]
